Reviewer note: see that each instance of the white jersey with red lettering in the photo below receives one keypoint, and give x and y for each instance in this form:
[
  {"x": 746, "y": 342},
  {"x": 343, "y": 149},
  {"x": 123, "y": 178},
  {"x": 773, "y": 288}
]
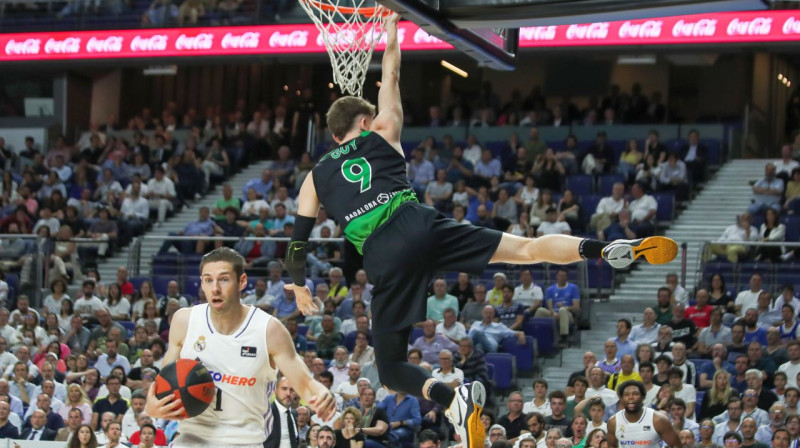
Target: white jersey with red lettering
[
  {"x": 639, "y": 434},
  {"x": 239, "y": 364}
]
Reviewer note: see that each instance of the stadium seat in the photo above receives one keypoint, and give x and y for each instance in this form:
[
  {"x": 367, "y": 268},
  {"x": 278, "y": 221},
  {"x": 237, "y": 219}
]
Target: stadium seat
[
  {"x": 137, "y": 281},
  {"x": 503, "y": 369},
  {"x": 522, "y": 353},
  {"x": 666, "y": 208},
  {"x": 416, "y": 332},
  {"x": 588, "y": 205},
  {"x": 191, "y": 286},
  {"x": 311, "y": 345},
  {"x": 302, "y": 329},
  {"x": 160, "y": 283},
  {"x": 605, "y": 184},
  {"x": 350, "y": 341},
  {"x": 490, "y": 369},
  {"x": 128, "y": 325},
  {"x": 580, "y": 184},
  {"x": 792, "y": 224},
  {"x": 699, "y": 365},
  {"x": 543, "y": 329},
  {"x": 600, "y": 274}
]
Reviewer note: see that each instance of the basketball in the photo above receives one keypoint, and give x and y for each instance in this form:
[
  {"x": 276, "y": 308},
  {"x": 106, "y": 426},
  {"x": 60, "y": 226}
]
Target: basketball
[{"x": 190, "y": 381}]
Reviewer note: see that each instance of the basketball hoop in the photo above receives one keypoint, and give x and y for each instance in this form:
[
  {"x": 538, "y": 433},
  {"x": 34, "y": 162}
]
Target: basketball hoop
[{"x": 350, "y": 35}]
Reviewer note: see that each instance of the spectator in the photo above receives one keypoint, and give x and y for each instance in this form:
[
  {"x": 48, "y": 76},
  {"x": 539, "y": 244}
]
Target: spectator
[
  {"x": 715, "y": 333},
  {"x": 767, "y": 317},
  {"x": 329, "y": 338},
  {"x": 772, "y": 231},
  {"x": 403, "y": 414},
  {"x": 589, "y": 361},
  {"x": 551, "y": 226},
  {"x": 694, "y": 154},
  {"x": 748, "y": 299},
  {"x": 440, "y": 301},
  {"x": 473, "y": 310},
  {"x": 748, "y": 430},
  {"x": 682, "y": 390},
  {"x": 488, "y": 334},
  {"x": 597, "y": 388},
  {"x": 472, "y": 362},
  {"x": 226, "y": 201},
  {"x": 599, "y": 157},
  {"x": 421, "y": 172},
  {"x": 752, "y": 330},
  {"x": 513, "y": 422},
  {"x": 204, "y": 226},
  {"x": 112, "y": 403},
  {"x": 563, "y": 302},
  {"x": 643, "y": 210},
  {"x": 540, "y": 402},
  {"x": 683, "y": 329},
  {"x": 557, "y": 419},
  {"x": 432, "y": 343},
  {"x": 777, "y": 416},
  {"x": 647, "y": 331},
  {"x": 450, "y": 327},
  {"x": 729, "y": 423},
  {"x": 508, "y": 312},
  {"x": 764, "y": 397},
  {"x": 673, "y": 177},
  {"x": 262, "y": 186},
  {"x": 38, "y": 429},
  {"x": 103, "y": 230},
  {"x": 446, "y": 372},
  {"x": 792, "y": 367},
  {"x": 767, "y": 191},
  {"x": 376, "y": 421},
  {"x": 792, "y": 193},
  {"x": 463, "y": 290}
]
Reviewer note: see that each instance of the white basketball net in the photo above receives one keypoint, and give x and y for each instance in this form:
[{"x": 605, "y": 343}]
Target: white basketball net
[{"x": 349, "y": 37}]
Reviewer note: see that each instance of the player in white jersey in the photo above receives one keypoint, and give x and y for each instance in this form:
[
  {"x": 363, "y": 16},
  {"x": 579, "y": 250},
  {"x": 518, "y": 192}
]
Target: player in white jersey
[
  {"x": 242, "y": 347},
  {"x": 636, "y": 426}
]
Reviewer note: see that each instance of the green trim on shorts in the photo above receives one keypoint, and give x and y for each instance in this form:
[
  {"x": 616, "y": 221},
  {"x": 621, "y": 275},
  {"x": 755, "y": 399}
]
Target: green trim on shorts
[{"x": 362, "y": 227}]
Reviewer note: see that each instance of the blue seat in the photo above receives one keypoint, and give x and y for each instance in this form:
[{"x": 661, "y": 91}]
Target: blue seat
[
  {"x": 600, "y": 274},
  {"x": 605, "y": 185},
  {"x": 543, "y": 329},
  {"x": 503, "y": 369},
  {"x": 128, "y": 325},
  {"x": 792, "y": 224},
  {"x": 160, "y": 283},
  {"x": 666, "y": 207},
  {"x": 700, "y": 364},
  {"x": 311, "y": 345},
  {"x": 191, "y": 286},
  {"x": 713, "y": 151},
  {"x": 580, "y": 184},
  {"x": 522, "y": 353},
  {"x": 700, "y": 395},
  {"x": 416, "y": 332},
  {"x": 302, "y": 329},
  {"x": 588, "y": 205},
  {"x": 350, "y": 341},
  {"x": 490, "y": 370}
]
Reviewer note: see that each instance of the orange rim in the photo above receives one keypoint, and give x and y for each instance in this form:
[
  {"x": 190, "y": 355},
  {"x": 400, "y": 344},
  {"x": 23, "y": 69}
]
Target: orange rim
[{"x": 366, "y": 12}]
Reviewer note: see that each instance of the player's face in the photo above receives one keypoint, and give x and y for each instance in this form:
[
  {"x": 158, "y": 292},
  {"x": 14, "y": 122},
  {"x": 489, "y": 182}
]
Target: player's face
[
  {"x": 221, "y": 287},
  {"x": 632, "y": 399}
]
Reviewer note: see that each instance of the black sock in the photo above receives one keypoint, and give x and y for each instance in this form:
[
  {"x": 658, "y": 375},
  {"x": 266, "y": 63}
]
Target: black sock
[
  {"x": 441, "y": 393},
  {"x": 590, "y": 248}
]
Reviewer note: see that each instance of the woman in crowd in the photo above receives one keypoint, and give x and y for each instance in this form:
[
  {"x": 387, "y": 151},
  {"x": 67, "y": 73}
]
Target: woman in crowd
[
  {"x": 149, "y": 312},
  {"x": 718, "y": 295},
  {"x": 30, "y": 322},
  {"x": 548, "y": 170},
  {"x": 52, "y": 327},
  {"x": 664, "y": 397},
  {"x": 140, "y": 167},
  {"x": 145, "y": 294},
  {"x": 527, "y": 195},
  {"x": 118, "y": 305},
  {"x": 216, "y": 161},
  {"x": 76, "y": 398},
  {"x": 83, "y": 437},
  {"x": 520, "y": 228},
  {"x": 579, "y": 430},
  {"x": 91, "y": 382},
  {"x": 629, "y": 160},
  {"x": 61, "y": 352},
  {"x": 58, "y": 291},
  {"x": 539, "y": 210},
  {"x": 65, "y": 314},
  {"x": 706, "y": 433},
  {"x": 311, "y": 438},
  {"x": 643, "y": 353},
  {"x": 350, "y": 436},
  {"x": 772, "y": 231},
  {"x": 715, "y": 402},
  {"x": 568, "y": 210},
  {"x": 595, "y": 437}
]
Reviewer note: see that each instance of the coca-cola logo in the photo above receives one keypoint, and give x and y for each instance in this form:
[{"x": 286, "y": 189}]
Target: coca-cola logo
[
  {"x": 421, "y": 37},
  {"x": 246, "y": 40},
  {"x": 791, "y": 26},
  {"x": 111, "y": 44},
  {"x": 70, "y": 45},
  {"x": 701, "y": 28},
  {"x": 287, "y": 40},
  {"x": 27, "y": 46},
  {"x": 156, "y": 42},
  {"x": 760, "y": 26},
  {"x": 538, "y": 32},
  {"x": 202, "y": 41},
  {"x": 649, "y": 29},
  {"x": 597, "y": 30}
]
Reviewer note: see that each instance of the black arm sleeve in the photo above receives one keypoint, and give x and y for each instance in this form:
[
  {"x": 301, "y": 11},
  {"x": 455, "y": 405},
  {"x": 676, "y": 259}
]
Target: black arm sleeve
[{"x": 297, "y": 251}]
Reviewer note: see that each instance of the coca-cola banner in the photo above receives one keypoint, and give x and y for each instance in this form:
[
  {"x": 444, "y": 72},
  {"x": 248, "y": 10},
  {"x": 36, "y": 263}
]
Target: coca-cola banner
[{"x": 733, "y": 27}]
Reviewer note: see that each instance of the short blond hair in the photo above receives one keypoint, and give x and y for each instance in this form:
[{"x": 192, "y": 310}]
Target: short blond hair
[{"x": 344, "y": 112}]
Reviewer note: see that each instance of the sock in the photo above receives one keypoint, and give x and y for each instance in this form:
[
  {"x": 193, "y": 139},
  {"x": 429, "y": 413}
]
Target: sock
[
  {"x": 590, "y": 248},
  {"x": 441, "y": 393}
]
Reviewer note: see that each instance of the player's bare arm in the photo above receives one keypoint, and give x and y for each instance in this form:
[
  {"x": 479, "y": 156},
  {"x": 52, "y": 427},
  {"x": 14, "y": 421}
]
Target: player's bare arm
[
  {"x": 307, "y": 209},
  {"x": 666, "y": 431},
  {"x": 168, "y": 407},
  {"x": 389, "y": 121},
  {"x": 611, "y": 435},
  {"x": 281, "y": 350}
]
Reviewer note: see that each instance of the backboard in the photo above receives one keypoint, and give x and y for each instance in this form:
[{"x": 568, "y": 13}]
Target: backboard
[{"x": 487, "y": 30}]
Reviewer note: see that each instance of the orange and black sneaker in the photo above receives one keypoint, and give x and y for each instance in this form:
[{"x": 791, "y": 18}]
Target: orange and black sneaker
[
  {"x": 465, "y": 414},
  {"x": 655, "y": 249}
]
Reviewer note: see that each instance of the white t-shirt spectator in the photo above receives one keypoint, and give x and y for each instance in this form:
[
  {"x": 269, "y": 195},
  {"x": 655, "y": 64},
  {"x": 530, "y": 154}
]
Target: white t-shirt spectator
[
  {"x": 455, "y": 332},
  {"x": 456, "y": 375},
  {"x": 735, "y": 233},
  {"x": 610, "y": 205},
  {"x": 527, "y": 296},
  {"x": 164, "y": 187},
  {"x": 121, "y": 308},
  {"x": 52, "y": 305},
  {"x": 346, "y": 388},
  {"x": 791, "y": 372},
  {"x": 316, "y": 232},
  {"x": 747, "y": 299},
  {"x": 783, "y": 167},
  {"x": 641, "y": 207},
  {"x": 544, "y": 409},
  {"x": 289, "y": 203},
  {"x": 7, "y": 359},
  {"x": 86, "y": 307},
  {"x": 554, "y": 228},
  {"x": 687, "y": 393},
  {"x": 252, "y": 208}
]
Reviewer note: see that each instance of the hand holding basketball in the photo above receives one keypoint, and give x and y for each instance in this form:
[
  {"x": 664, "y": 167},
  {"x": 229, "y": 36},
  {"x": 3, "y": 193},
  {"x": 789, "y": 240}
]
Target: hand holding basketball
[
  {"x": 168, "y": 407},
  {"x": 305, "y": 303}
]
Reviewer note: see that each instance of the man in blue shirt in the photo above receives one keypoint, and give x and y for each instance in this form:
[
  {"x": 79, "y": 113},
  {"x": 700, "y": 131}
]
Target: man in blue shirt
[
  {"x": 564, "y": 302},
  {"x": 625, "y": 346},
  {"x": 487, "y": 334},
  {"x": 262, "y": 185},
  {"x": 509, "y": 312},
  {"x": 204, "y": 226},
  {"x": 767, "y": 191},
  {"x": 281, "y": 218}
]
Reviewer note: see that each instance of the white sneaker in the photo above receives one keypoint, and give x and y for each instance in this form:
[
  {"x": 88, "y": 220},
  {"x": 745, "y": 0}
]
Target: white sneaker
[
  {"x": 655, "y": 249},
  {"x": 465, "y": 414}
]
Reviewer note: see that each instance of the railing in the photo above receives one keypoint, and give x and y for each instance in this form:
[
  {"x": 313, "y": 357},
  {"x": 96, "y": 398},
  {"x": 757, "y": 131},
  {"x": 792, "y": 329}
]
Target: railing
[{"x": 773, "y": 273}]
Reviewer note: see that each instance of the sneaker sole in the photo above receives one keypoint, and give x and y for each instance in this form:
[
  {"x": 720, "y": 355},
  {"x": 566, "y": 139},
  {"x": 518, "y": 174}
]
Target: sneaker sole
[
  {"x": 475, "y": 429},
  {"x": 656, "y": 250}
]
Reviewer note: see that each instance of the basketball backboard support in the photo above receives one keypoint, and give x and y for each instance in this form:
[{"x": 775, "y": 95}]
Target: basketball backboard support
[{"x": 487, "y": 30}]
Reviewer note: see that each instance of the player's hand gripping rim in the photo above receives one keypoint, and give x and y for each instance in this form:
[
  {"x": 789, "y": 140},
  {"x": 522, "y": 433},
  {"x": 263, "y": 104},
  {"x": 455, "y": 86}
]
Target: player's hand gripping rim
[
  {"x": 303, "y": 298},
  {"x": 168, "y": 407},
  {"x": 324, "y": 405}
]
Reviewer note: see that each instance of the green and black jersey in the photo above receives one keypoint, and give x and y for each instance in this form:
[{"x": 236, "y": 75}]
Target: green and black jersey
[{"x": 361, "y": 183}]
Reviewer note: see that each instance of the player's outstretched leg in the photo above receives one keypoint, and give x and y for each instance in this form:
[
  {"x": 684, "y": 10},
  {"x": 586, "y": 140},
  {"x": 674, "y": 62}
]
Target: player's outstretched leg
[
  {"x": 563, "y": 249},
  {"x": 463, "y": 406}
]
